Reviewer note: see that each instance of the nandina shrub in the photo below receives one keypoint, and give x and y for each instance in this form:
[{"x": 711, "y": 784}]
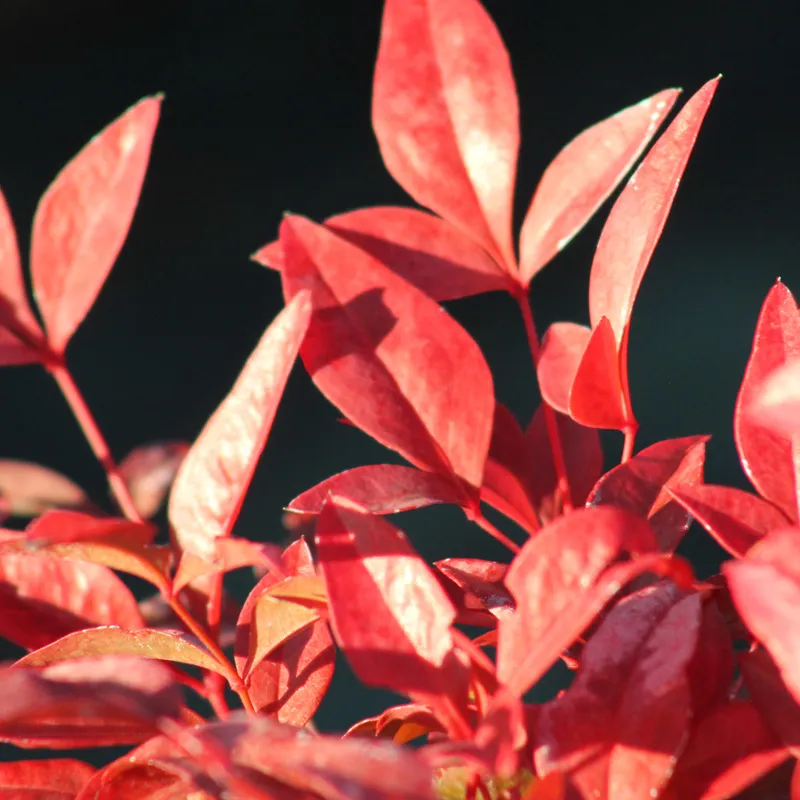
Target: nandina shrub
[{"x": 682, "y": 688}]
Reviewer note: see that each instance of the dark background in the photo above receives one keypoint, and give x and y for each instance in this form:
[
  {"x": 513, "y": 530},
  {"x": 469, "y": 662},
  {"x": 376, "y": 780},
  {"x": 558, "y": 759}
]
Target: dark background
[{"x": 268, "y": 109}]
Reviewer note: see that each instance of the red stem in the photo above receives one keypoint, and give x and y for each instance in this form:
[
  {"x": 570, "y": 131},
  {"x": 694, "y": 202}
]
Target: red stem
[{"x": 549, "y": 414}]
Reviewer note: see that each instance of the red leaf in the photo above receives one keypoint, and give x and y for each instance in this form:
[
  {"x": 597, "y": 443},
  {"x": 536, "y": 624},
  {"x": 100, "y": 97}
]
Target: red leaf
[
  {"x": 425, "y": 250},
  {"x": 583, "y": 175},
  {"x": 84, "y": 216},
  {"x": 552, "y": 579},
  {"x": 89, "y": 702},
  {"x": 765, "y": 588},
  {"x": 64, "y": 526},
  {"x": 481, "y": 583},
  {"x": 380, "y": 489},
  {"x": 447, "y": 119},
  {"x": 111, "y": 640},
  {"x": 45, "y": 598},
  {"x": 642, "y": 485},
  {"x": 736, "y": 519},
  {"x": 401, "y": 724},
  {"x": 30, "y": 489},
  {"x": 634, "y": 224},
  {"x": 624, "y": 720},
  {"x": 728, "y": 750},
  {"x": 563, "y": 346},
  {"x": 213, "y": 479},
  {"x": 391, "y": 359},
  {"x": 47, "y": 779},
  {"x": 389, "y": 614},
  {"x": 767, "y": 456},
  {"x": 776, "y": 407},
  {"x": 149, "y": 471}
]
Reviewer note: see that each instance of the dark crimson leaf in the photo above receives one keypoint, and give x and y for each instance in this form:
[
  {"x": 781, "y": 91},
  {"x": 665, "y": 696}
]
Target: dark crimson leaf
[
  {"x": 148, "y": 472},
  {"x": 391, "y": 359},
  {"x": 30, "y": 489},
  {"x": 619, "y": 728},
  {"x": 583, "y": 175},
  {"x": 46, "y": 779},
  {"x": 447, "y": 120},
  {"x": 736, "y": 519},
  {"x": 381, "y": 489},
  {"x": 767, "y": 456},
  {"x": 642, "y": 485},
  {"x": 84, "y": 216},
  {"x": 213, "y": 478}
]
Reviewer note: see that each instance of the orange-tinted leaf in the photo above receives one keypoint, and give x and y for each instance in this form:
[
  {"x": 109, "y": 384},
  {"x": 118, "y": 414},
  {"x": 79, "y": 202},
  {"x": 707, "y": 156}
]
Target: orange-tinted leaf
[
  {"x": 84, "y": 216},
  {"x": 381, "y": 489},
  {"x": 149, "y": 471},
  {"x": 583, "y": 175},
  {"x": 60, "y": 526},
  {"x": 401, "y": 724},
  {"x": 46, "y": 779},
  {"x": 768, "y": 455},
  {"x": 44, "y": 598},
  {"x": 447, "y": 119},
  {"x": 389, "y": 614},
  {"x": 391, "y": 359},
  {"x": 88, "y": 702},
  {"x": 30, "y": 489},
  {"x": 111, "y": 640},
  {"x": 617, "y": 731},
  {"x": 634, "y": 224},
  {"x": 213, "y": 479},
  {"x": 736, "y": 519},
  {"x": 563, "y": 346},
  {"x": 641, "y": 485}
]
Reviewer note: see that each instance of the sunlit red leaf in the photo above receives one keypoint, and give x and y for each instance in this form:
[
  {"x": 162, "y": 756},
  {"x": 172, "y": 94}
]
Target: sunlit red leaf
[
  {"x": 642, "y": 485},
  {"x": 583, "y": 175},
  {"x": 46, "y": 779},
  {"x": 213, "y": 478},
  {"x": 447, "y": 119},
  {"x": 111, "y": 640},
  {"x": 390, "y": 358},
  {"x": 563, "y": 346},
  {"x": 44, "y": 598},
  {"x": 617, "y": 730},
  {"x": 88, "y": 702},
  {"x": 428, "y": 252},
  {"x": 767, "y": 455},
  {"x": 84, "y": 216},
  {"x": 736, "y": 519},
  {"x": 634, "y": 224},
  {"x": 381, "y": 489},
  {"x": 765, "y": 587},
  {"x": 389, "y": 614},
  {"x": 482, "y": 583},
  {"x": 149, "y": 471},
  {"x": 61, "y": 526},
  {"x": 31, "y": 489},
  {"x": 401, "y": 724}
]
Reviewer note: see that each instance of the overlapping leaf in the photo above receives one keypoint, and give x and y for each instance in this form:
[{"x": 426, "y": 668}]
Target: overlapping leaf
[
  {"x": 45, "y": 779},
  {"x": 84, "y": 216},
  {"x": 213, "y": 479},
  {"x": 391, "y": 359},
  {"x": 148, "y": 472},
  {"x": 31, "y": 489}
]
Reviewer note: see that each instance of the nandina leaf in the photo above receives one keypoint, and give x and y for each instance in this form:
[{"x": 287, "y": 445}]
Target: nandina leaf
[
  {"x": 768, "y": 456},
  {"x": 84, "y": 216},
  {"x": 583, "y": 175},
  {"x": 291, "y": 681},
  {"x": 549, "y": 576},
  {"x": 765, "y": 587},
  {"x": 482, "y": 583},
  {"x": 563, "y": 347},
  {"x": 62, "y": 526},
  {"x": 149, "y": 471},
  {"x": 45, "y": 598},
  {"x": 447, "y": 119},
  {"x": 729, "y": 749},
  {"x": 381, "y": 489},
  {"x": 389, "y": 614},
  {"x": 213, "y": 478},
  {"x": 618, "y": 729},
  {"x": 428, "y": 252},
  {"x": 46, "y": 779},
  {"x": 736, "y": 519},
  {"x": 87, "y": 702},
  {"x": 776, "y": 406},
  {"x": 111, "y": 640},
  {"x": 401, "y": 724},
  {"x": 31, "y": 489},
  {"x": 642, "y": 485},
  {"x": 637, "y": 218},
  {"x": 391, "y": 359}
]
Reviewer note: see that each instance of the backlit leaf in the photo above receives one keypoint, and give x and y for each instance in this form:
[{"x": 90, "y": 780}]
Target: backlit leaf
[
  {"x": 45, "y": 779},
  {"x": 149, "y": 471},
  {"x": 563, "y": 346}
]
